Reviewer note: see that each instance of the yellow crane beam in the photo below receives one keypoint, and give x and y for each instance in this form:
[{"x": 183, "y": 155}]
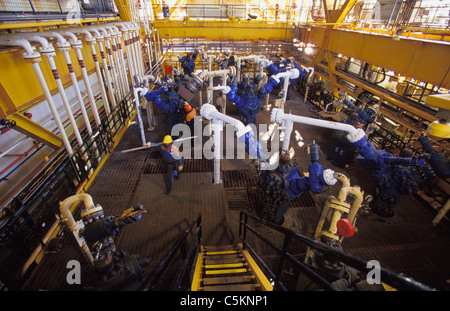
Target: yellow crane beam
[{"x": 423, "y": 60}]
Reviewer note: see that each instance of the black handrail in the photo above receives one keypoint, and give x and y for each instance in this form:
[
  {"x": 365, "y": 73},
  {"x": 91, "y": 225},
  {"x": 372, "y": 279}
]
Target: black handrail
[
  {"x": 389, "y": 277},
  {"x": 152, "y": 280}
]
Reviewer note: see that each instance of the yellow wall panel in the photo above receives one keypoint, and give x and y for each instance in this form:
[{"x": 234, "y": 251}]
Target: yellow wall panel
[{"x": 20, "y": 83}]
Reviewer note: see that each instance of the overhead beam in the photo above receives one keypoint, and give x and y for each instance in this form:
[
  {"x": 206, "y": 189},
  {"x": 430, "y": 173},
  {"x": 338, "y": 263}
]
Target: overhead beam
[
  {"x": 225, "y": 30},
  {"x": 31, "y": 129},
  {"x": 423, "y": 60}
]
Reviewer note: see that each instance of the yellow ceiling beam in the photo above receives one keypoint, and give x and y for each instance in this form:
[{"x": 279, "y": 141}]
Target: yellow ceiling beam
[
  {"x": 423, "y": 60},
  {"x": 224, "y": 30}
]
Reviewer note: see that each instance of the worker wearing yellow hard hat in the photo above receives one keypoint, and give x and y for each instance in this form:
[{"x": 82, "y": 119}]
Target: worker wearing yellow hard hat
[{"x": 171, "y": 158}]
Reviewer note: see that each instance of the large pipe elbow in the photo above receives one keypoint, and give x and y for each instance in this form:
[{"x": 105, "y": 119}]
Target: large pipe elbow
[
  {"x": 65, "y": 205},
  {"x": 210, "y": 112},
  {"x": 30, "y": 51}
]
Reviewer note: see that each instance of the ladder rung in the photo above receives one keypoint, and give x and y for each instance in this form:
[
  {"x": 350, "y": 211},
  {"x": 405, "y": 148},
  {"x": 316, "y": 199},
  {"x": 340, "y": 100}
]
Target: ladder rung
[
  {"x": 223, "y": 260},
  {"x": 216, "y": 248},
  {"x": 229, "y": 280},
  {"x": 234, "y": 287},
  {"x": 220, "y": 253},
  {"x": 226, "y": 271},
  {"x": 226, "y": 265}
]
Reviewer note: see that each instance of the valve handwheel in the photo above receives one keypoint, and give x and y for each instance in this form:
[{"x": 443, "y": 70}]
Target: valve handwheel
[{"x": 345, "y": 228}]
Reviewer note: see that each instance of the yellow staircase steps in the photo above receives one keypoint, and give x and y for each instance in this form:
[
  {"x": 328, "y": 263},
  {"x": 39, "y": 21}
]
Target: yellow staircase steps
[{"x": 228, "y": 268}]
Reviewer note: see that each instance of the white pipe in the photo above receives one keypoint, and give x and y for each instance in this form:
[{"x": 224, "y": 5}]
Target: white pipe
[
  {"x": 107, "y": 37},
  {"x": 134, "y": 52},
  {"x": 122, "y": 61},
  {"x": 98, "y": 36},
  {"x": 217, "y": 127},
  {"x": 278, "y": 116},
  {"x": 51, "y": 104},
  {"x": 63, "y": 45},
  {"x": 30, "y": 53},
  {"x": 138, "y": 112},
  {"x": 77, "y": 46},
  {"x": 130, "y": 58},
  {"x": 74, "y": 226},
  {"x": 117, "y": 65},
  {"x": 210, "y": 112},
  {"x": 91, "y": 40},
  {"x": 49, "y": 53}
]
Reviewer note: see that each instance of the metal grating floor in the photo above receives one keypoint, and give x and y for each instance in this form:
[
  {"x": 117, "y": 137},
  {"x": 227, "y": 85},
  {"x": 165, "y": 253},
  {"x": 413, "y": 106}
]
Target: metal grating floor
[{"x": 407, "y": 243}]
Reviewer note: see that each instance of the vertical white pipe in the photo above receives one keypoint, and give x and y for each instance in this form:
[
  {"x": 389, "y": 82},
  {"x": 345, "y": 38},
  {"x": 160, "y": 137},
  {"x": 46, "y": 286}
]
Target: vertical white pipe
[
  {"x": 107, "y": 38},
  {"x": 122, "y": 61},
  {"x": 77, "y": 46},
  {"x": 119, "y": 68},
  {"x": 77, "y": 90},
  {"x": 31, "y": 54},
  {"x": 135, "y": 52},
  {"x": 53, "y": 110},
  {"x": 91, "y": 41},
  {"x": 217, "y": 129},
  {"x": 130, "y": 59},
  {"x": 105, "y": 64},
  {"x": 138, "y": 112}
]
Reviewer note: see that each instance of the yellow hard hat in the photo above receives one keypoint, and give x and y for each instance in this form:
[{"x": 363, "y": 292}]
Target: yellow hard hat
[{"x": 167, "y": 139}]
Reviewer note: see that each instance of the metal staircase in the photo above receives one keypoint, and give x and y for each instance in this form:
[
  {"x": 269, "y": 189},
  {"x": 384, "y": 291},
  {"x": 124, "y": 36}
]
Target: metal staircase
[
  {"x": 239, "y": 267},
  {"x": 228, "y": 267}
]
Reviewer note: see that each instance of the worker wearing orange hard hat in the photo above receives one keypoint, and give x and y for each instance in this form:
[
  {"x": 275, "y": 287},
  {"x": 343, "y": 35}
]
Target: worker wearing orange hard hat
[{"x": 190, "y": 115}]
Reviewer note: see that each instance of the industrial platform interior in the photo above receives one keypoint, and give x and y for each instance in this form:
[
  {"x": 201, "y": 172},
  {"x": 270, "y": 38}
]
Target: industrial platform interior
[{"x": 76, "y": 116}]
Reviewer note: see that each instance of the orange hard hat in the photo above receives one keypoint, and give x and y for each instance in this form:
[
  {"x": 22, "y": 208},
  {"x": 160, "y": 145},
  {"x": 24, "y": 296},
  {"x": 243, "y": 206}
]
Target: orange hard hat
[{"x": 187, "y": 107}]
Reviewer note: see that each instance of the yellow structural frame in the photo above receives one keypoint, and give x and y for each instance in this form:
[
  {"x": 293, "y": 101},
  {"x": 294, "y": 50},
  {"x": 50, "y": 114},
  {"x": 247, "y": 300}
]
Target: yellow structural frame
[
  {"x": 423, "y": 60},
  {"x": 30, "y": 128}
]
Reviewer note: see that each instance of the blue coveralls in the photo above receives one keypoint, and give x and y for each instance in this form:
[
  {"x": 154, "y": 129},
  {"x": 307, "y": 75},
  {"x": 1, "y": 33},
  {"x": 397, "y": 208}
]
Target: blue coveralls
[{"x": 169, "y": 155}]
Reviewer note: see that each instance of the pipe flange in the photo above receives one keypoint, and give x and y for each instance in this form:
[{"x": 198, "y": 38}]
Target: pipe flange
[
  {"x": 277, "y": 115},
  {"x": 295, "y": 73},
  {"x": 328, "y": 177},
  {"x": 206, "y": 110},
  {"x": 358, "y": 135}
]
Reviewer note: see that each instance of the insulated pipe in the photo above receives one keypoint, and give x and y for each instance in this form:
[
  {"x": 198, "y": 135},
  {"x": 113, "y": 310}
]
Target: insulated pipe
[
  {"x": 287, "y": 75},
  {"x": 74, "y": 226},
  {"x": 135, "y": 48},
  {"x": 345, "y": 191},
  {"x": 63, "y": 45},
  {"x": 98, "y": 36},
  {"x": 130, "y": 60},
  {"x": 138, "y": 112},
  {"x": 278, "y": 116},
  {"x": 217, "y": 128},
  {"x": 116, "y": 87},
  {"x": 91, "y": 41},
  {"x": 210, "y": 112},
  {"x": 217, "y": 73},
  {"x": 48, "y": 51},
  {"x": 77, "y": 46},
  {"x": 122, "y": 61},
  {"x": 132, "y": 46},
  {"x": 33, "y": 56},
  {"x": 118, "y": 66}
]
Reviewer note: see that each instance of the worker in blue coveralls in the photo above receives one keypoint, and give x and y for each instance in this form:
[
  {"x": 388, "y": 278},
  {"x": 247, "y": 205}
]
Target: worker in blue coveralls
[
  {"x": 165, "y": 10},
  {"x": 188, "y": 62},
  {"x": 171, "y": 157}
]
